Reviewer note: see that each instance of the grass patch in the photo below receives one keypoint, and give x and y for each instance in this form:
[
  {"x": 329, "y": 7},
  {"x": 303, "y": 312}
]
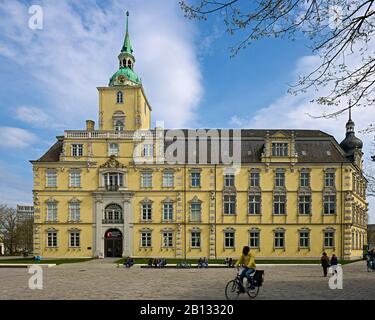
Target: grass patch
[
  {"x": 221, "y": 261},
  {"x": 47, "y": 261}
]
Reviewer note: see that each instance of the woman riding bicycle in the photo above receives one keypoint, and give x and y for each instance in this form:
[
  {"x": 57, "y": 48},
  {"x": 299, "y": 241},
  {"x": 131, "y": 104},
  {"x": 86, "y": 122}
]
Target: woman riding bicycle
[{"x": 247, "y": 259}]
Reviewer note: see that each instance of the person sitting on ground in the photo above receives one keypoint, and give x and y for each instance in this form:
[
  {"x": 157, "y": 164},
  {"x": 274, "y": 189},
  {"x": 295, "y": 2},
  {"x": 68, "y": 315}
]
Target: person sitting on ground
[
  {"x": 200, "y": 263},
  {"x": 247, "y": 259},
  {"x": 230, "y": 263},
  {"x": 205, "y": 263},
  {"x": 150, "y": 262}
]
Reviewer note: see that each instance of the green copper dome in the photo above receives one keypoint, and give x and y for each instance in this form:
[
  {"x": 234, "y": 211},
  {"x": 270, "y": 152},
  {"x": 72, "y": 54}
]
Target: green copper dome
[{"x": 128, "y": 73}]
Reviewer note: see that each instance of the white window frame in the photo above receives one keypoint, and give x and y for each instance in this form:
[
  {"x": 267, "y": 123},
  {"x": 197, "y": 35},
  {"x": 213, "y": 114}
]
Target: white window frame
[
  {"x": 168, "y": 179},
  {"x": 279, "y": 236},
  {"x": 229, "y": 239},
  {"x": 51, "y": 211},
  {"x": 51, "y": 178},
  {"x": 195, "y": 239},
  {"x": 303, "y": 237},
  {"x": 75, "y": 211},
  {"x": 74, "y": 239},
  {"x": 331, "y": 238},
  {"x": 195, "y": 214},
  {"x": 74, "y": 179},
  {"x": 167, "y": 239},
  {"x": 146, "y": 239},
  {"x": 77, "y": 150},
  {"x": 280, "y": 149},
  {"x": 146, "y": 179},
  {"x": 195, "y": 179},
  {"x": 168, "y": 210},
  {"x": 254, "y": 203},
  {"x": 254, "y": 235},
  {"x": 113, "y": 151},
  {"x": 51, "y": 239},
  {"x": 229, "y": 204},
  {"x": 146, "y": 211}
]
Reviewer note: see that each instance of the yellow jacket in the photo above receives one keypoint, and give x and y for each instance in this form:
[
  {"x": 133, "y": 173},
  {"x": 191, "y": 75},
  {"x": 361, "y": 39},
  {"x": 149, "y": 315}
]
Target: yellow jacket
[{"x": 247, "y": 260}]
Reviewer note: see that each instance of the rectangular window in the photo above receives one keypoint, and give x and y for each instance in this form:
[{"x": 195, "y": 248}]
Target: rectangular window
[
  {"x": 146, "y": 180},
  {"x": 305, "y": 179},
  {"x": 279, "y": 204},
  {"x": 75, "y": 179},
  {"x": 195, "y": 239},
  {"x": 51, "y": 178},
  {"x": 168, "y": 179},
  {"x": 168, "y": 239},
  {"x": 195, "y": 179},
  {"x": 254, "y": 179},
  {"x": 113, "y": 149},
  {"x": 280, "y": 179},
  {"x": 229, "y": 180},
  {"x": 279, "y": 149},
  {"x": 195, "y": 212},
  {"x": 329, "y": 179},
  {"x": 329, "y": 204},
  {"x": 254, "y": 204},
  {"x": 77, "y": 150},
  {"x": 229, "y": 239},
  {"x": 279, "y": 239},
  {"x": 146, "y": 239},
  {"x": 52, "y": 239},
  {"x": 113, "y": 181},
  {"x": 254, "y": 239},
  {"x": 74, "y": 239},
  {"x": 75, "y": 211},
  {"x": 167, "y": 211},
  {"x": 304, "y": 204},
  {"x": 329, "y": 237},
  {"x": 146, "y": 212},
  {"x": 52, "y": 211},
  {"x": 304, "y": 241},
  {"x": 229, "y": 204},
  {"x": 148, "y": 150}
]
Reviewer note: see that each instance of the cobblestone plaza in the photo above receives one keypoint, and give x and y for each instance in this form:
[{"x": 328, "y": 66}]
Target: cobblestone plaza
[{"x": 101, "y": 279}]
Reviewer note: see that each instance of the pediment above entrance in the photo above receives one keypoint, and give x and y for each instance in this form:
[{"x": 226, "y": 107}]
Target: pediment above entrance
[{"x": 112, "y": 163}]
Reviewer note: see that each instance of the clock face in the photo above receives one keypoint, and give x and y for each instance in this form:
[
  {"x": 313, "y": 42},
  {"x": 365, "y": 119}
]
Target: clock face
[{"x": 121, "y": 79}]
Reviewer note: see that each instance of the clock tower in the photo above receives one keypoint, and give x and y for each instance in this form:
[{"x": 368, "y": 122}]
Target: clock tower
[{"x": 123, "y": 104}]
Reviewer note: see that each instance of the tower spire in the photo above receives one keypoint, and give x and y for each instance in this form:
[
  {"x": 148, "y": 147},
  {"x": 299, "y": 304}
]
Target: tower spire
[{"x": 127, "y": 47}]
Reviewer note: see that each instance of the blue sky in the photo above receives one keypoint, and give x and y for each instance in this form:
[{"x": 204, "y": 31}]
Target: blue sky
[{"x": 49, "y": 77}]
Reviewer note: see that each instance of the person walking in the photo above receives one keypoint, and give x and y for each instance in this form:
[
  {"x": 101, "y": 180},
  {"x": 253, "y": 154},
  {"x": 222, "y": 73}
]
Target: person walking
[
  {"x": 325, "y": 263},
  {"x": 334, "y": 262}
]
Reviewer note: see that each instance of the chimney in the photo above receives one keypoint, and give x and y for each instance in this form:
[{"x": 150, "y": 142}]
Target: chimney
[{"x": 90, "y": 125}]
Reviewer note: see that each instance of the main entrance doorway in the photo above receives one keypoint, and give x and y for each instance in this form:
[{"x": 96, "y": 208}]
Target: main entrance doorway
[{"x": 113, "y": 243}]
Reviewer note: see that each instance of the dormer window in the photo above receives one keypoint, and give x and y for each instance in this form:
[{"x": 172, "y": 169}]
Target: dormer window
[
  {"x": 120, "y": 97},
  {"x": 279, "y": 149}
]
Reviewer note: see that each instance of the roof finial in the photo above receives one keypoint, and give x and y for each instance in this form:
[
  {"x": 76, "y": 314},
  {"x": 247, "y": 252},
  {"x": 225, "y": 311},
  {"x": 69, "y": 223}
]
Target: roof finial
[
  {"x": 127, "y": 21},
  {"x": 350, "y": 110}
]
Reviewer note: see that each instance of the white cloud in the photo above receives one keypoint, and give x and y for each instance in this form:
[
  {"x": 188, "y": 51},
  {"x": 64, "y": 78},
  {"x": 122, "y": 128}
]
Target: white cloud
[
  {"x": 78, "y": 47},
  {"x": 17, "y": 138},
  {"x": 32, "y": 115},
  {"x": 292, "y": 112}
]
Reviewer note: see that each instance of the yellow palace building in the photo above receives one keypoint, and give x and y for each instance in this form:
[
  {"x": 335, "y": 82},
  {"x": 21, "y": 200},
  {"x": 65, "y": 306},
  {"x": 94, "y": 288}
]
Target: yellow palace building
[{"x": 126, "y": 189}]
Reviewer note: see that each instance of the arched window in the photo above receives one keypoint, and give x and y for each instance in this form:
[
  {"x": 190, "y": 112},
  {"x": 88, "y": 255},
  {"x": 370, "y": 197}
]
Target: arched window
[
  {"x": 113, "y": 213},
  {"x": 124, "y": 63},
  {"x": 129, "y": 64},
  {"x": 120, "y": 97}
]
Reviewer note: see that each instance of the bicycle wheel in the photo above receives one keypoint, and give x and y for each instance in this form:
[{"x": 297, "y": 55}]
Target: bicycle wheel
[
  {"x": 252, "y": 293},
  {"x": 231, "y": 290}
]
